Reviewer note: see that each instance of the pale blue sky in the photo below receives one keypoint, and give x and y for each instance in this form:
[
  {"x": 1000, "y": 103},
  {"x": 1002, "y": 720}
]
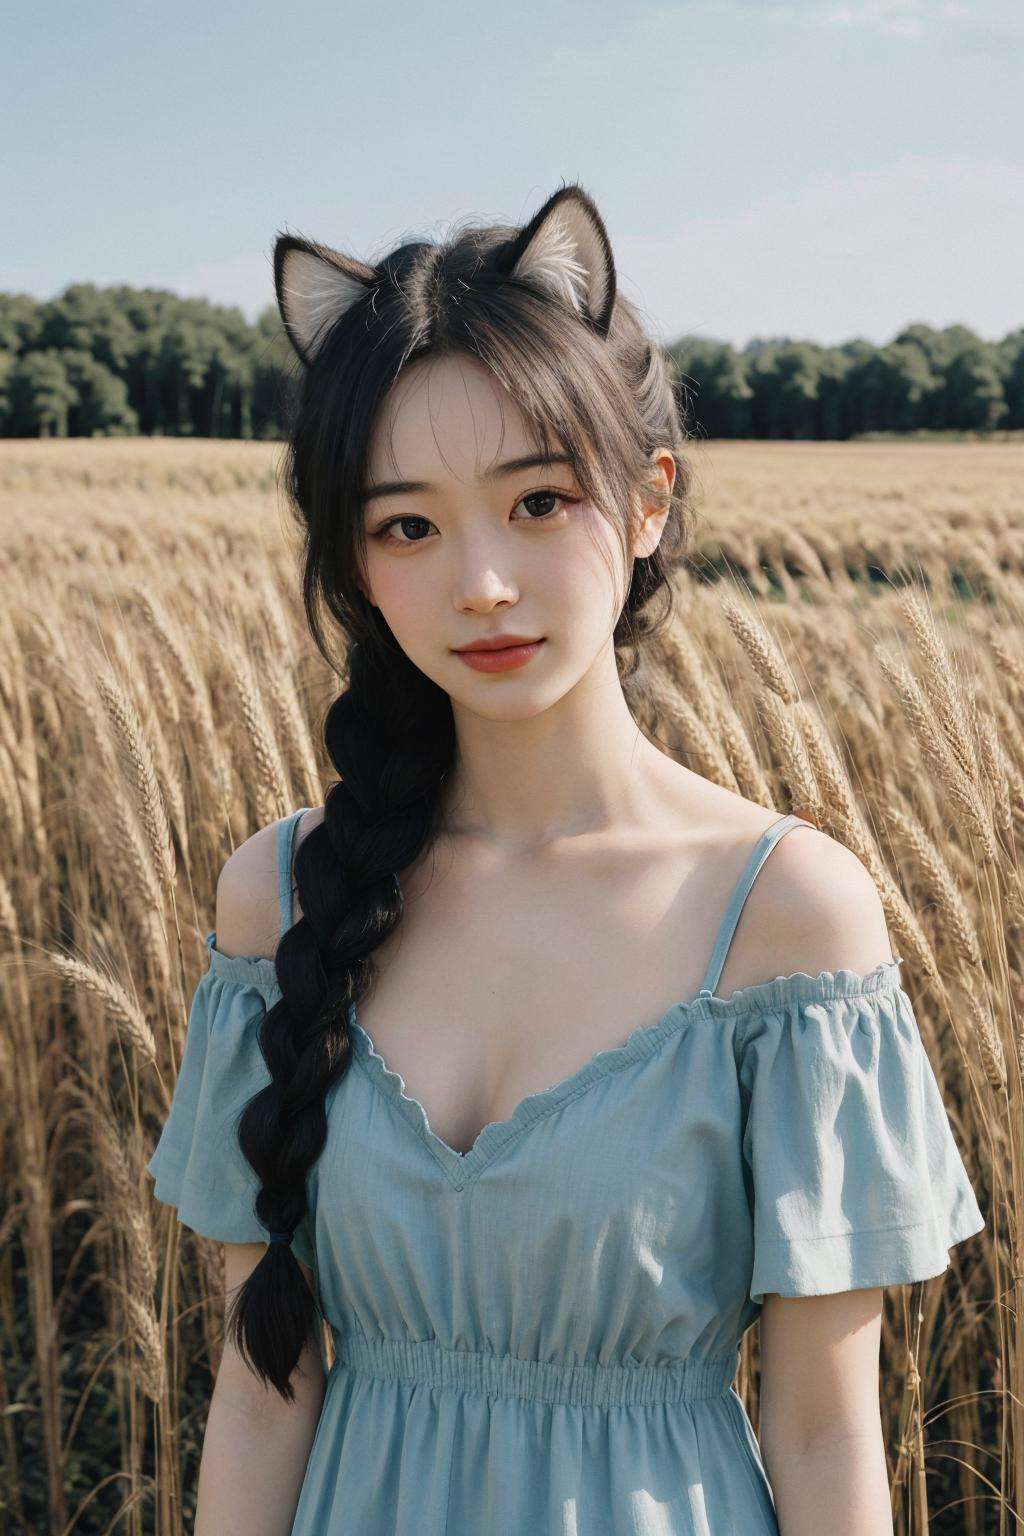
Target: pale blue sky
[{"x": 807, "y": 167}]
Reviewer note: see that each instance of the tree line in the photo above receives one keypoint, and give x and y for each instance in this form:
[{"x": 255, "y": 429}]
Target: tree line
[{"x": 120, "y": 360}]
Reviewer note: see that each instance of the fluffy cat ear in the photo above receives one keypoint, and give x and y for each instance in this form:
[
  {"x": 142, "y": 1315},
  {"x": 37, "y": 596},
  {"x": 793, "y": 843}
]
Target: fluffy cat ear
[
  {"x": 566, "y": 251},
  {"x": 315, "y": 286}
]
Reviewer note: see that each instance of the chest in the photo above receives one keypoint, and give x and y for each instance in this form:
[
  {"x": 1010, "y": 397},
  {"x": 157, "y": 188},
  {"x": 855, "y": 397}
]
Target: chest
[{"x": 483, "y": 999}]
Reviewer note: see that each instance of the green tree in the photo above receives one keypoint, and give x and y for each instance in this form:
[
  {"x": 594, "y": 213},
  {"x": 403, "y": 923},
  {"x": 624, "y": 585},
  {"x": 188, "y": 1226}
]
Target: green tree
[
  {"x": 8, "y": 364},
  {"x": 713, "y": 386},
  {"x": 20, "y": 321},
  {"x": 785, "y": 376},
  {"x": 832, "y": 419},
  {"x": 184, "y": 352},
  {"x": 974, "y": 388},
  {"x": 101, "y": 399},
  {"x": 42, "y": 395},
  {"x": 1010, "y": 361},
  {"x": 89, "y": 319},
  {"x": 889, "y": 388}
]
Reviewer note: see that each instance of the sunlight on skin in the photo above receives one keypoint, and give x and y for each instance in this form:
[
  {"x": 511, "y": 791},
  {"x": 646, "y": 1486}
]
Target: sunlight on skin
[{"x": 474, "y": 558}]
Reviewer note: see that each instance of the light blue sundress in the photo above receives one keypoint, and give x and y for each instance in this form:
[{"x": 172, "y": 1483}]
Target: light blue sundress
[{"x": 538, "y": 1337}]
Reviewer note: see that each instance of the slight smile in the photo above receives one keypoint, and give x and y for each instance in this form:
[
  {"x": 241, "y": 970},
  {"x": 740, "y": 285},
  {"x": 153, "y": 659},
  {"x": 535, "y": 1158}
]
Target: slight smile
[{"x": 503, "y": 653}]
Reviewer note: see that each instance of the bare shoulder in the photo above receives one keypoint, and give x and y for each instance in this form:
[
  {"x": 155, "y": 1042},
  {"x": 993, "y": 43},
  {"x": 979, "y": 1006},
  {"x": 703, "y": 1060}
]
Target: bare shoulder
[
  {"x": 814, "y": 906},
  {"x": 248, "y": 901}
]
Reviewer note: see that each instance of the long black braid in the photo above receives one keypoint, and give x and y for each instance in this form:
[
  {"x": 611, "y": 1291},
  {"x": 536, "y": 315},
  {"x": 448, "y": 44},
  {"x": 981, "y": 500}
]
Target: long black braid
[{"x": 391, "y": 741}]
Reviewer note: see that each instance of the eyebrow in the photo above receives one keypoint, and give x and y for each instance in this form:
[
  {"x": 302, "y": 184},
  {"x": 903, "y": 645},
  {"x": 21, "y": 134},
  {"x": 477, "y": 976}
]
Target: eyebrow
[{"x": 509, "y": 467}]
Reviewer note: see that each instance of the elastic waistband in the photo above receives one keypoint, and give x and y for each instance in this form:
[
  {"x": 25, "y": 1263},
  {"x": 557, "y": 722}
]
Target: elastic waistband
[{"x": 584, "y": 1384}]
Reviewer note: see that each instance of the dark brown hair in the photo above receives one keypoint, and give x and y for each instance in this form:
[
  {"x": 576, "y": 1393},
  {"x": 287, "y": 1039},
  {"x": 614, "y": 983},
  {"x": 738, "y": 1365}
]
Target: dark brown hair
[{"x": 539, "y": 308}]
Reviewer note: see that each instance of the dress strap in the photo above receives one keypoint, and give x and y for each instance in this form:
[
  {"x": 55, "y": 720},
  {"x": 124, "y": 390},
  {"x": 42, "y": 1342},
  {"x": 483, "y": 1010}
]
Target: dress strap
[
  {"x": 762, "y": 848},
  {"x": 285, "y": 845}
]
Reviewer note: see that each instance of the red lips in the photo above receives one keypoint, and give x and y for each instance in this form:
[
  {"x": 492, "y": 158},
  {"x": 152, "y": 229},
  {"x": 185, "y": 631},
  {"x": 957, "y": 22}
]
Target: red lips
[
  {"x": 503, "y": 653},
  {"x": 498, "y": 643}
]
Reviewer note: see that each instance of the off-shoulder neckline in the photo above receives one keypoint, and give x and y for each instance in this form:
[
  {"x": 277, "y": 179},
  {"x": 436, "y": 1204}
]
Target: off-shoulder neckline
[
  {"x": 796, "y": 987},
  {"x": 462, "y": 1167}
]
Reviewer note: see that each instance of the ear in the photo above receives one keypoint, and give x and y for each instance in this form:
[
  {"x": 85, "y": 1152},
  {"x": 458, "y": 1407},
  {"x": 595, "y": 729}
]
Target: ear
[
  {"x": 315, "y": 286},
  {"x": 566, "y": 251},
  {"x": 652, "y": 518}
]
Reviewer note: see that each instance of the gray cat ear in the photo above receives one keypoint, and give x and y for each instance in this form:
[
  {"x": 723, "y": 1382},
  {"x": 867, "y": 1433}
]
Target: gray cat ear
[
  {"x": 566, "y": 251},
  {"x": 315, "y": 286}
]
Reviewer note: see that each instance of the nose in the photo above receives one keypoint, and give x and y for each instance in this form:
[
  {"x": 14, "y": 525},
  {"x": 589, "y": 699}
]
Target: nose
[{"x": 484, "y": 578}]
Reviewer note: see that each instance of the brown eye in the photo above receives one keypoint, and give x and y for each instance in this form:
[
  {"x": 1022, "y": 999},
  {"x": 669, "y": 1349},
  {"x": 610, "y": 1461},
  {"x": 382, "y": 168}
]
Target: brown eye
[
  {"x": 546, "y": 496},
  {"x": 386, "y": 536}
]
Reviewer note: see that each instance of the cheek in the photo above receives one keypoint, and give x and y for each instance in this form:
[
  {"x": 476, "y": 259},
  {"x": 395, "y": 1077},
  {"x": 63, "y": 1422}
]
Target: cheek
[
  {"x": 585, "y": 576},
  {"x": 397, "y": 589}
]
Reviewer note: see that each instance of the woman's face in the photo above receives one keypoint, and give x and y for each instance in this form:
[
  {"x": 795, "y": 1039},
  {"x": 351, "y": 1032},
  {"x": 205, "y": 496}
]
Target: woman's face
[{"x": 474, "y": 549}]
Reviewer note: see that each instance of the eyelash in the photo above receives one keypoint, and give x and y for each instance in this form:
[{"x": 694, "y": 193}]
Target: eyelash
[{"x": 384, "y": 535}]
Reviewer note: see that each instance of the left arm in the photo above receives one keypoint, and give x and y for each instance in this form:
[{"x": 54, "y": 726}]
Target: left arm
[{"x": 820, "y": 1428}]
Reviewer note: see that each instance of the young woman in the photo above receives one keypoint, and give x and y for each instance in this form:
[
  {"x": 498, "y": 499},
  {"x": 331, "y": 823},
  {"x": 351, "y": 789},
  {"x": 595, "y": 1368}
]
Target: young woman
[{"x": 520, "y": 1060}]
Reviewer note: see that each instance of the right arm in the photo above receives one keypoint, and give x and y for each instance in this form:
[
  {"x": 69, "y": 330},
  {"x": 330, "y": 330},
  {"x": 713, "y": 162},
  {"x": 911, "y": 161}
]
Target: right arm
[{"x": 256, "y": 1444}]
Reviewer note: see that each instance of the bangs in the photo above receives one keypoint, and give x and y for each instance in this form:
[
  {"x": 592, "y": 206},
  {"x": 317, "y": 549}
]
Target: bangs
[
  {"x": 559, "y": 385},
  {"x": 604, "y": 402}
]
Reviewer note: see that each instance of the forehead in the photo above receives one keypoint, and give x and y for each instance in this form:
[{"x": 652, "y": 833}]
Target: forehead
[{"x": 446, "y": 417}]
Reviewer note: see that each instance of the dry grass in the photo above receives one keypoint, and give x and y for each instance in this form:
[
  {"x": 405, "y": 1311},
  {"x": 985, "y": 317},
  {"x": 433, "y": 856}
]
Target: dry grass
[{"x": 159, "y": 699}]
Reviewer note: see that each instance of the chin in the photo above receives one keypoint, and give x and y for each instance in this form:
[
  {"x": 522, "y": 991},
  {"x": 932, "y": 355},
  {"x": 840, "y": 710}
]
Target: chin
[{"x": 504, "y": 711}]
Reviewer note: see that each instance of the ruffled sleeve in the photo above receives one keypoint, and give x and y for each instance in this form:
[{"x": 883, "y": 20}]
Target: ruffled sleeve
[
  {"x": 852, "y": 1170},
  {"x": 198, "y": 1165}
]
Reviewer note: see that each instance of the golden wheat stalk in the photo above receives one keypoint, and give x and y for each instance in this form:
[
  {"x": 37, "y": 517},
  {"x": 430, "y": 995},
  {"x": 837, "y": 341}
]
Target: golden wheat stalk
[
  {"x": 142, "y": 774},
  {"x": 117, "y": 1005}
]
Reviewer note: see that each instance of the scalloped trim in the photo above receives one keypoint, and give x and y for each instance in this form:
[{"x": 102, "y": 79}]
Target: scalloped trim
[{"x": 801, "y": 986}]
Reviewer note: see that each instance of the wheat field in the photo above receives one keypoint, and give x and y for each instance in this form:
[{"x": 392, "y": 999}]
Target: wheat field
[{"x": 849, "y": 645}]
